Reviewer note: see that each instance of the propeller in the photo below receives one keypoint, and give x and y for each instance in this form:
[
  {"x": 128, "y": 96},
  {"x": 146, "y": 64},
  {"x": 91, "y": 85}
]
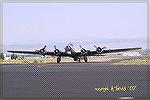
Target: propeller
[
  {"x": 99, "y": 49},
  {"x": 70, "y": 44},
  {"x": 83, "y": 51},
  {"x": 42, "y": 51},
  {"x": 56, "y": 51}
]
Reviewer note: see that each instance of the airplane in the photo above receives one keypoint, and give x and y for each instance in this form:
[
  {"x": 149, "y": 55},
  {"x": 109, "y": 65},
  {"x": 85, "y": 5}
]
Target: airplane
[{"x": 70, "y": 52}]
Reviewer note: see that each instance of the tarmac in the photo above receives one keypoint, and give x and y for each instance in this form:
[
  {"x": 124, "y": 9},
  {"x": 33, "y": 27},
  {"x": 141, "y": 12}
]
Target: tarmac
[{"x": 76, "y": 80}]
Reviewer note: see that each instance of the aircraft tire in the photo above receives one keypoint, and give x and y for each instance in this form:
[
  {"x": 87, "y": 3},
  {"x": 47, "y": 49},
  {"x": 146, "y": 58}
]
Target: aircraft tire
[
  {"x": 79, "y": 59},
  {"x": 85, "y": 59},
  {"x": 58, "y": 60}
]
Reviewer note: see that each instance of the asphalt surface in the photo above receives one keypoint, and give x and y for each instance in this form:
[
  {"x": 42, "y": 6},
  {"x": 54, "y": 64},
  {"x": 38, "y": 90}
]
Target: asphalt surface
[{"x": 76, "y": 80}]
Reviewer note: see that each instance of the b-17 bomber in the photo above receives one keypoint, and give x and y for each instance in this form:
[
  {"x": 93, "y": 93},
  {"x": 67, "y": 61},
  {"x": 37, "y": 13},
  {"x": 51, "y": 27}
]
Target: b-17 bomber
[{"x": 77, "y": 56}]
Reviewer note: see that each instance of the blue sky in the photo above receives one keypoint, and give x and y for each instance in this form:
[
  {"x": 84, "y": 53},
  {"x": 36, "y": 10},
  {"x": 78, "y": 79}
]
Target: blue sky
[{"x": 33, "y": 23}]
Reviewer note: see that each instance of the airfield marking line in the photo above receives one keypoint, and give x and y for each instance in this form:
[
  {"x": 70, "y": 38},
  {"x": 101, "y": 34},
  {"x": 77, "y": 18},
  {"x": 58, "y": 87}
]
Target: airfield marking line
[
  {"x": 75, "y": 67},
  {"x": 46, "y": 66},
  {"x": 123, "y": 98},
  {"x": 60, "y": 65}
]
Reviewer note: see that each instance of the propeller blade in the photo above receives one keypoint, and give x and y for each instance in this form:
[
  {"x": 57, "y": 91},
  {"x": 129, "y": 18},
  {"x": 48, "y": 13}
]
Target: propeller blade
[
  {"x": 95, "y": 46},
  {"x": 103, "y": 47},
  {"x": 70, "y": 44},
  {"x": 55, "y": 46},
  {"x": 44, "y": 47},
  {"x": 80, "y": 46}
]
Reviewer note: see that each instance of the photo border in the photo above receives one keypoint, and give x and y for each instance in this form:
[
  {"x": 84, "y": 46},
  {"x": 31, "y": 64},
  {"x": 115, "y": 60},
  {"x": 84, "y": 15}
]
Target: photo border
[{"x": 72, "y": 1}]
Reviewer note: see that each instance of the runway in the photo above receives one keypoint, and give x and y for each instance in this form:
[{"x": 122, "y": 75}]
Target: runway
[{"x": 76, "y": 80}]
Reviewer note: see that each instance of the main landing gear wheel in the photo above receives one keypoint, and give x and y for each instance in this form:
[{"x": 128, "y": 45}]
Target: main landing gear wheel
[
  {"x": 85, "y": 59},
  {"x": 79, "y": 60},
  {"x": 58, "y": 60}
]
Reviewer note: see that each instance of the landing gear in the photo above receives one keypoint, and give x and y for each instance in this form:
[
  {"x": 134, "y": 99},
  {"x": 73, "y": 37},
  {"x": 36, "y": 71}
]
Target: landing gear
[
  {"x": 58, "y": 59},
  {"x": 79, "y": 60},
  {"x": 85, "y": 58},
  {"x": 75, "y": 59}
]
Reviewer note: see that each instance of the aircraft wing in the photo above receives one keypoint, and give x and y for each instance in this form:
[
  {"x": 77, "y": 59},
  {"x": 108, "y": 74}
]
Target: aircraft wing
[
  {"x": 90, "y": 53},
  {"x": 94, "y": 53},
  {"x": 25, "y": 52},
  {"x": 31, "y": 52},
  {"x": 119, "y": 50},
  {"x": 46, "y": 53}
]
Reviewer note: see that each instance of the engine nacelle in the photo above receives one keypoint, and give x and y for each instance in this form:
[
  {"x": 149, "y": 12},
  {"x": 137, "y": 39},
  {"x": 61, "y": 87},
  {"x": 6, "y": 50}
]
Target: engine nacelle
[
  {"x": 42, "y": 51},
  {"x": 99, "y": 50},
  {"x": 57, "y": 52},
  {"x": 83, "y": 51}
]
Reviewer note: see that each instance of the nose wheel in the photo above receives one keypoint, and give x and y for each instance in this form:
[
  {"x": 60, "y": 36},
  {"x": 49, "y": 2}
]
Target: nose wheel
[{"x": 58, "y": 59}]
